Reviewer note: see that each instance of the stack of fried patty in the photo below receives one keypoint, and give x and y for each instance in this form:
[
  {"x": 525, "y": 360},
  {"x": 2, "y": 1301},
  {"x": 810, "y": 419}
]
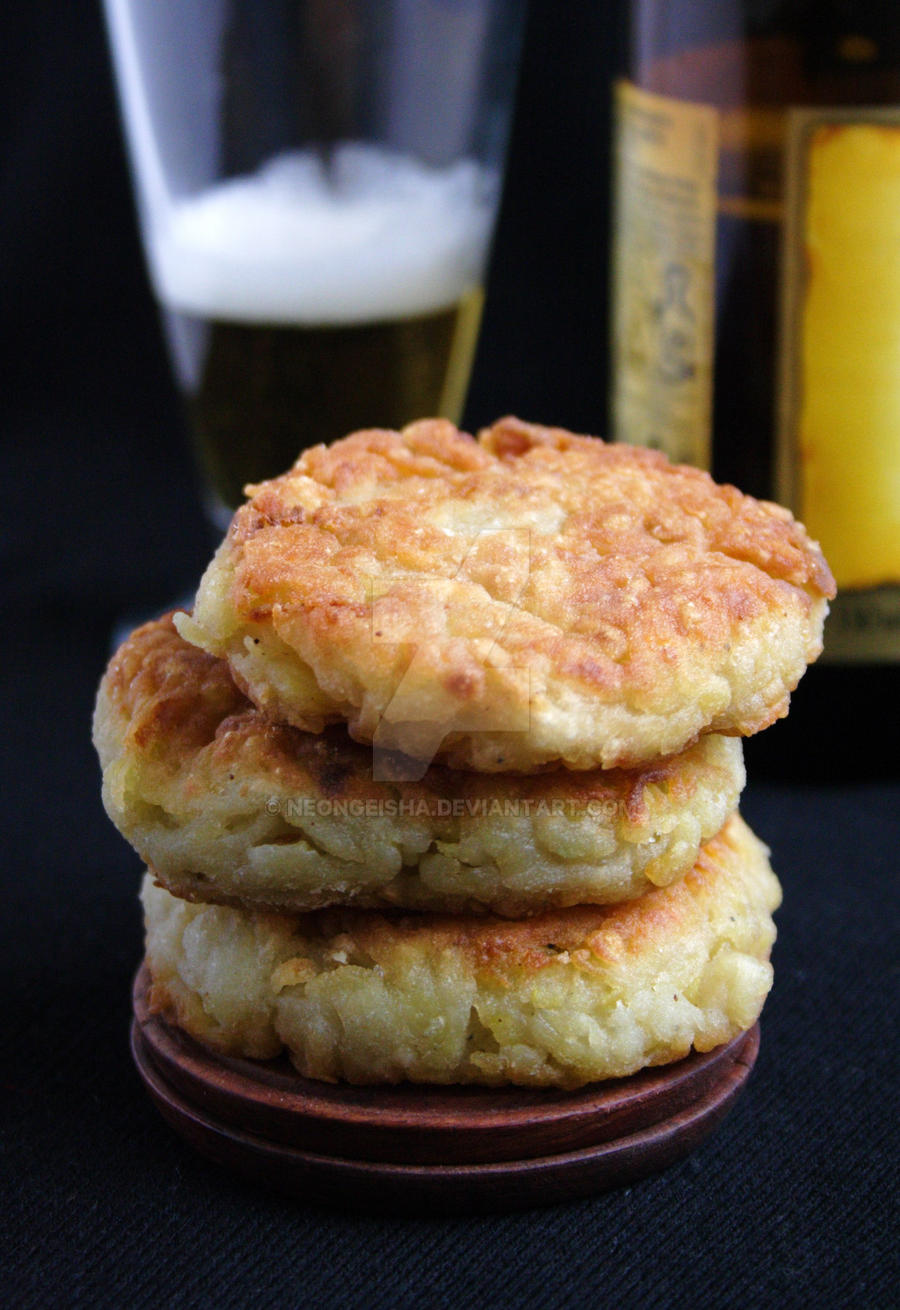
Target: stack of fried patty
[{"x": 439, "y": 780}]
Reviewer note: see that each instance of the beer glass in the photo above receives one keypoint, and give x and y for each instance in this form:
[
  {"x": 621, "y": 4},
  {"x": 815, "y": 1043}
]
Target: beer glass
[{"x": 317, "y": 183}]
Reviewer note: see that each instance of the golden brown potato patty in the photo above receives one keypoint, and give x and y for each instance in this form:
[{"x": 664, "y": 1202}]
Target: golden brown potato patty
[
  {"x": 562, "y": 999},
  {"x": 527, "y": 598},
  {"x": 227, "y": 806}
]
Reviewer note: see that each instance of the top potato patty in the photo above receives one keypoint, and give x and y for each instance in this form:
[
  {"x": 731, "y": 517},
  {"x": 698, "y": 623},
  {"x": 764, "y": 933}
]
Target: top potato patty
[{"x": 525, "y": 599}]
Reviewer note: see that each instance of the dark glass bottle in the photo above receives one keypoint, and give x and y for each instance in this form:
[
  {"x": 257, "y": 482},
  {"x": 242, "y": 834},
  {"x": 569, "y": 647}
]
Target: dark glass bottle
[{"x": 756, "y": 306}]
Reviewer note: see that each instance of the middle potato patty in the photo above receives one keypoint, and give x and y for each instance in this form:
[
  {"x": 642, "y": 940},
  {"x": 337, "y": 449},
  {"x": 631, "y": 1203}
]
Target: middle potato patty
[{"x": 226, "y": 806}]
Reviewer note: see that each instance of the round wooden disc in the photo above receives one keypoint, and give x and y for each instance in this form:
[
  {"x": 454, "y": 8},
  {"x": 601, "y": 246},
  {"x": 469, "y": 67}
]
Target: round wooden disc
[{"x": 443, "y": 1147}]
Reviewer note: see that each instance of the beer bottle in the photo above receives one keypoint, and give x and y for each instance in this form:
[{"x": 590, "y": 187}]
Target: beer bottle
[{"x": 756, "y": 306}]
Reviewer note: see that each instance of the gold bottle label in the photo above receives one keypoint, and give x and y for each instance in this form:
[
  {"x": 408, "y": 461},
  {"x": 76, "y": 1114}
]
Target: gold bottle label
[
  {"x": 664, "y": 273},
  {"x": 839, "y": 421}
]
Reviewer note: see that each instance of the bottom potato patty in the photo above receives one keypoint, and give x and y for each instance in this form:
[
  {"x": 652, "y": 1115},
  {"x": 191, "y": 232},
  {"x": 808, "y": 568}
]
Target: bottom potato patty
[{"x": 561, "y": 999}]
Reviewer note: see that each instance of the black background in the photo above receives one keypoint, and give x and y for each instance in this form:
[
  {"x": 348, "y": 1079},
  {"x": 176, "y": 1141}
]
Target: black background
[{"x": 788, "y": 1204}]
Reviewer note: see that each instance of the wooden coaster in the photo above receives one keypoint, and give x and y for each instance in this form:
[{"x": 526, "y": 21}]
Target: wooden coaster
[{"x": 440, "y": 1148}]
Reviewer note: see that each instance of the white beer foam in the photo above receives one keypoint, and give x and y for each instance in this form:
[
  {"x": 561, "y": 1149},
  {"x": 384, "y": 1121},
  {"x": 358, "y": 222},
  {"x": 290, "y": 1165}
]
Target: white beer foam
[{"x": 374, "y": 235}]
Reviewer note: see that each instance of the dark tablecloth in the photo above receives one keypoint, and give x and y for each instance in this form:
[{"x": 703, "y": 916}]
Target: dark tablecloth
[{"x": 788, "y": 1204}]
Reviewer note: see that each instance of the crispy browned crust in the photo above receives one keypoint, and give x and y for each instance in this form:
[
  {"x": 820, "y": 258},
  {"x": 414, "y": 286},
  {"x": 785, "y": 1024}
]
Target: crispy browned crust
[
  {"x": 167, "y": 697},
  {"x": 529, "y": 597}
]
